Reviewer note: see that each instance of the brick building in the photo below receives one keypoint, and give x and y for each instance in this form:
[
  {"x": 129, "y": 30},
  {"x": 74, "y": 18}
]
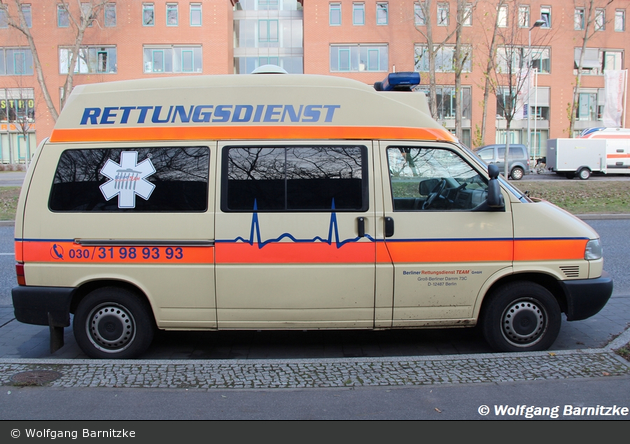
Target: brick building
[{"x": 363, "y": 40}]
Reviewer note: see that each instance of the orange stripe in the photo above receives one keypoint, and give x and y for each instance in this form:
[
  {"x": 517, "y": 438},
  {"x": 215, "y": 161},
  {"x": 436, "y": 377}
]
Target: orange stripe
[
  {"x": 451, "y": 251},
  {"x": 246, "y": 133},
  {"x": 541, "y": 249},
  {"x": 618, "y": 156},
  {"x": 296, "y": 253},
  {"x": 304, "y": 253},
  {"x": 69, "y": 252},
  {"x": 18, "y": 251}
]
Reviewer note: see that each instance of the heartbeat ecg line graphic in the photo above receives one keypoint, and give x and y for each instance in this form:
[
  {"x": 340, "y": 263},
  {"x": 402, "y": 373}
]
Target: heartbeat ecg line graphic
[{"x": 333, "y": 233}]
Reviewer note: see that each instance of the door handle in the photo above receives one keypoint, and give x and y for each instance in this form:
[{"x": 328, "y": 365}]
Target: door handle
[
  {"x": 389, "y": 227},
  {"x": 361, "y": 226}
]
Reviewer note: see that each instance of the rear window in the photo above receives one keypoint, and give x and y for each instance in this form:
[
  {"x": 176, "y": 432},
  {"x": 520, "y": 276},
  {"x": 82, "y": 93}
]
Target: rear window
[
  {"x": 164, "y": 179},
  {"x": 295, "y": 178}
]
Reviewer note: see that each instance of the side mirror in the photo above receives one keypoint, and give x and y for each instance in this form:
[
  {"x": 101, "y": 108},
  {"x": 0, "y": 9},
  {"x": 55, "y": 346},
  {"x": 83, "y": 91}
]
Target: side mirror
[{"x": 495, "y": 198}]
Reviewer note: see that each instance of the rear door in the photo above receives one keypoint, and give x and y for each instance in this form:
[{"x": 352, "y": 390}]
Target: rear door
[
  {"x": 295, "y": 245},
  {"x": 122, "y": 212},
  {"x": 442, "y": 250}
]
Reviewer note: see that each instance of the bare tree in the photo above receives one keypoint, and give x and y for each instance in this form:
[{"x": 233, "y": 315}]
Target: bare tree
[
  {"x": 461, "y": 54},
  {"x": 80, "y": 19},
  {"x": 509, "y": 79},
  {"x": 487, "y": 76},
  {"x": 588, "y": 16}
]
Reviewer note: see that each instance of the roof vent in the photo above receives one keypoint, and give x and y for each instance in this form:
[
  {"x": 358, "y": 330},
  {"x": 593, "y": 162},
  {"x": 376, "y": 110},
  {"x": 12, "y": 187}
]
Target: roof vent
[{"x": 269, "y": 69}]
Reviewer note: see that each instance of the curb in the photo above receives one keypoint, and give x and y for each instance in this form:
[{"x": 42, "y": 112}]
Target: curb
[{"x": 328, "y": 372}]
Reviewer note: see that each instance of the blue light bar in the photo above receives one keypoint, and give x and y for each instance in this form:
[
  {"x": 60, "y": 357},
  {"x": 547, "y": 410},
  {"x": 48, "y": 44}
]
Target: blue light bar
[{"x": 398, "y": 81}]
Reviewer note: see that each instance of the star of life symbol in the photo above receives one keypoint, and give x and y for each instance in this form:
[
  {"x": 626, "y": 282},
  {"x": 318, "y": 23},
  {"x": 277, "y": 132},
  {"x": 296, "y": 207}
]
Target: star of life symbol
[{"x": 127, "y": 179}]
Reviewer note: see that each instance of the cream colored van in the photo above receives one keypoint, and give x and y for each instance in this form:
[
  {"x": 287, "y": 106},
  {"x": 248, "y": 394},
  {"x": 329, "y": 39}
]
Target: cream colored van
[{"x": 274, "y": 201}]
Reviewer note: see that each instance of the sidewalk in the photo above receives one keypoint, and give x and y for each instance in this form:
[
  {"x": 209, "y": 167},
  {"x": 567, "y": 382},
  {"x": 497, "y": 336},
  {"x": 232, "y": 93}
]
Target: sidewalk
[{"x": 24, "y": 355}]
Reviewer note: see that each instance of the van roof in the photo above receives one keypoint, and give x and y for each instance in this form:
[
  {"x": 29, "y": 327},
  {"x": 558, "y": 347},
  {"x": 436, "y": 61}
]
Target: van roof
[{"x": 256, "y": 106}]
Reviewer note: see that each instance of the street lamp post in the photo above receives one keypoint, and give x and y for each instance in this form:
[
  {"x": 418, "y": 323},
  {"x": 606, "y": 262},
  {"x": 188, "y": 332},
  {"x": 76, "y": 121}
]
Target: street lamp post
[{"x": 536, "y": 24}]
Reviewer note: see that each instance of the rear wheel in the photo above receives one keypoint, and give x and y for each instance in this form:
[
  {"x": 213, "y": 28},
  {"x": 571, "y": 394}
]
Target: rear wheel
[
  {"x": 521, "y": 316},
  {"x": 517, "y": 173},
  {"x": 113, "y": 323},
  {"x": 584, "y": 173}
]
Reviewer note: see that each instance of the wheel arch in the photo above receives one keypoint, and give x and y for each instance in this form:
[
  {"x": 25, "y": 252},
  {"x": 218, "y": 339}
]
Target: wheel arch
[
  {"x": 86, "y": 288},
  {"x": 550, "y": 283}
]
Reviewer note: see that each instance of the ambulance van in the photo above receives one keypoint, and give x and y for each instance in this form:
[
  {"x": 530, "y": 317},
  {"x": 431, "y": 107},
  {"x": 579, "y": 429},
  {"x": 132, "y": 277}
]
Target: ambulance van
[{"x": 276, "y": 201}]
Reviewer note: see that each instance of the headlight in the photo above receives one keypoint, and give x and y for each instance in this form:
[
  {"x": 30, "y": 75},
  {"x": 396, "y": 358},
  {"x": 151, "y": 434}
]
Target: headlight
[{"x": 593, "y": 250}]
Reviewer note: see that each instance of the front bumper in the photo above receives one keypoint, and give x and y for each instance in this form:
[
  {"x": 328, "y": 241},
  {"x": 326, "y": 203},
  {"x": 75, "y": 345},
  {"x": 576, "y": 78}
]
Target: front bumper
[{"x": 586, "y": 297}]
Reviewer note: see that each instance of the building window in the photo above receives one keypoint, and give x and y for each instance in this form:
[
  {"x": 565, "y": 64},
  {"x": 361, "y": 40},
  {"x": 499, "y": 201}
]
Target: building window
[
  {"x": 87, "y": 12},
  {"x": 418, "y": 12},
  {"x": 443, "y": 58},
  {"x": 172, "y": 14},
  {"x": 545, "y": 15},
  {"x": 502, "y": 16},
  {"x": 468, "y": 11},
  {"x": 148, "y": 14},
  {"x": 597, "y": 61},
  {"x": 541, "y": 60},
  {"x": 63, "y": 19},
  {"x": 620, "y": 20},
  {"x": 268, "y": 5},
  {"x": 195, "y": 14},
  {"x": 512, "y": 59},
  {"x": 578, "y": 21},
  {"x": 358, "y": 58},
  {"x": 17, "y": 105},
  {"x": 335, "y": 14},
  {"x": 91, "y": 60},
  {"x": 612, "y": 60},
  {"x": 382, "y": 16},
  {"x": 26, "y": 10},
  {"x": 110, "y": 15},
  {"x": 600, "y": 19},
  {"x": 443, "y": 14},
  {"x": 446, "y": 101},
  {"x": 16, "y": 61},
  {"x": 523, "y": 16},
  {"x": 172, "y": 59},
  {"x": 358, "y": 14},
  {"x": 268, "y": 33},
  {"x": 4, "y": 21},
  {"x": 588, "y": 108}
]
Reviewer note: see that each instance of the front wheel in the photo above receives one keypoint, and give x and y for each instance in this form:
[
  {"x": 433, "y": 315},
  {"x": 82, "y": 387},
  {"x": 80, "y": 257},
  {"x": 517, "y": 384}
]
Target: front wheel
[
  {"x": 113, "y": 323},
  {"x": 521, "y": 316}
]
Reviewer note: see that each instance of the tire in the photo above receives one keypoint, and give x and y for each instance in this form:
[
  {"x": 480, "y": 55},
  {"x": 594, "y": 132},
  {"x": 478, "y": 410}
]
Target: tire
[
  {"x": 584, "y": 174},
  {"x": 569, "y": 175},
  {"x": 113, "y": 323},
  {"x": 521, "y": 316},
  {"x": 517, "y": 173}
]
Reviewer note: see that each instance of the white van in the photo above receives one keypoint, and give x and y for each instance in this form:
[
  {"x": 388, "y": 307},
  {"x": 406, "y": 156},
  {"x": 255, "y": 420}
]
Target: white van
[{"x": 284, "y": 202}]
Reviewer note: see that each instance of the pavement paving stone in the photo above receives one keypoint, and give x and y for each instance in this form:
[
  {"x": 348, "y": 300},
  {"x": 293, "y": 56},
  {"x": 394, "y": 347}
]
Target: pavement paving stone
[{"x": 226, "y": 360}]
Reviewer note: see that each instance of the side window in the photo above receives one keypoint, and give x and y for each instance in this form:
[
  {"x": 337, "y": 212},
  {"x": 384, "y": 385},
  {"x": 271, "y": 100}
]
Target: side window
[
  {"x": 136, "y": 180},
  {"x": 486, "y": 155},
  {"x": 290, "y": 178},
  {"x": 516, "y": 153},
  {"x": 433, "y": 179}
]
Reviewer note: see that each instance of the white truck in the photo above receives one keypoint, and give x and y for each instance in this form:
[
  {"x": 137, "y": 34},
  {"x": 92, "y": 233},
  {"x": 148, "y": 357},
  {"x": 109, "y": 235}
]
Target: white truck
[{"x": 586, "y": 155}]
